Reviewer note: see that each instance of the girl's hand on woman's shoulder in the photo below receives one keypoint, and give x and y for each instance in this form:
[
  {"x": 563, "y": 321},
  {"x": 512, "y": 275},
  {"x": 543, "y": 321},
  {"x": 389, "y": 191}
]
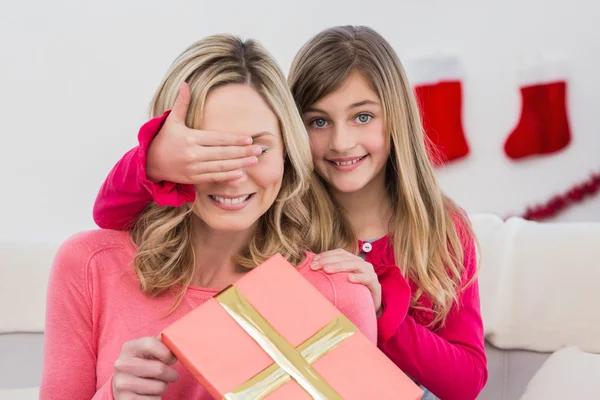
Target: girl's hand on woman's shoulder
[{"x": 361, "y": 272}]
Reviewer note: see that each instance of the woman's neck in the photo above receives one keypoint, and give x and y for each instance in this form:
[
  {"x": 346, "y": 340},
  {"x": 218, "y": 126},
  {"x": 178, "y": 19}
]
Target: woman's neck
[
  {"x": 214, "y": 252},
  {"x": 368, "y": 210}
]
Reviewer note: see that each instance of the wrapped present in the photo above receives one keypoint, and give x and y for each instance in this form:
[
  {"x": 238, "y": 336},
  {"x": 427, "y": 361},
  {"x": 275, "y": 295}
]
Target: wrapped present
[{"x": 274, "y": 335}]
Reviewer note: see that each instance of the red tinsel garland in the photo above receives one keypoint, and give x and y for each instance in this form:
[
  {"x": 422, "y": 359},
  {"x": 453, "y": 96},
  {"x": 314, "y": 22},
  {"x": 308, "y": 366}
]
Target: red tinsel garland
[{"x": 561, "y": 202}]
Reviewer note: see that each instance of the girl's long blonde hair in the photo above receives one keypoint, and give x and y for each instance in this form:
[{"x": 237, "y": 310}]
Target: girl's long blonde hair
[
  {"x": 424, "y": 228},
  {"x": 300, "y": 217}
]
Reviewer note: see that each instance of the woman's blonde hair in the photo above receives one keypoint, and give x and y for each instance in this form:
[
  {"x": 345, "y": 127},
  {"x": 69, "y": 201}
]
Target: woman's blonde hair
[
  {"x": 298, "y": 220},
  {"x": 426, "y": 239}
]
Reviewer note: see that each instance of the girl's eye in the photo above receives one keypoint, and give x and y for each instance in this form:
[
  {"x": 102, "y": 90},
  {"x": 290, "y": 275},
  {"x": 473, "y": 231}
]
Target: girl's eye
[
  {"x": 318, "y": 123},
  {"x": 363, "y": 118},
  {"x": 264, "y": 150}
]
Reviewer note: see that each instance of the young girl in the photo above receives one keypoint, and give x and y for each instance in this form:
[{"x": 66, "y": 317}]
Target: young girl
[
  {"x": 368, "y": 148},
  {"x": 111, "y": 293}
]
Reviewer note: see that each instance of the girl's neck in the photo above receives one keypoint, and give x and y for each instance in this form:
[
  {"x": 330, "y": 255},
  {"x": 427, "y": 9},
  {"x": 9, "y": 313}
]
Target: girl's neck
[{"x": 368, "y": 209}]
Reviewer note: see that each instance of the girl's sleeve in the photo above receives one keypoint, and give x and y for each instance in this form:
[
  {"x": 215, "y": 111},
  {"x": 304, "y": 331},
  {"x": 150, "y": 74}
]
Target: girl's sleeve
[
  {"x": 127, "y": 190},
  {"x": 451, "y": 362}
]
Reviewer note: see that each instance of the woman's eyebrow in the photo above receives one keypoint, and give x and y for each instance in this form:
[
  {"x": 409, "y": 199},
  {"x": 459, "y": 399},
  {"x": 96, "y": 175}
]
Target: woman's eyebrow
[{"x": 260, "y": 134}]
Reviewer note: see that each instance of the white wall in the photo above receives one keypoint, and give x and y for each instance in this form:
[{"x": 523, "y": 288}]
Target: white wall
[{"x": 76, "y": 77}]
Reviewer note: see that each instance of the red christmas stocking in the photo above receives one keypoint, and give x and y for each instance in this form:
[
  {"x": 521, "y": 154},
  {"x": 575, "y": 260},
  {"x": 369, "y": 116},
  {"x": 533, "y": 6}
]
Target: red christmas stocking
[
  {"x": 543, "y": 126},
  {"x": 438, "y": 90}
]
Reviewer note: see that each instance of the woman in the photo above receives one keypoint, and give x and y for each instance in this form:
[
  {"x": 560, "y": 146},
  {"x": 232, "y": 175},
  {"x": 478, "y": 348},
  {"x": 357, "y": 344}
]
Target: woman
[{"x": 111, "y": 293}]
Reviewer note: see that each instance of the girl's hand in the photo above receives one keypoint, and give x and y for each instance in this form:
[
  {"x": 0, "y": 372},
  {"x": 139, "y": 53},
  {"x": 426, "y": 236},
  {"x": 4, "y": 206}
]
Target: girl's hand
[
  {"x": 360, "y": 271},
  {"x": 143, "y": 370},
  {"x": 190, "y": 156}
]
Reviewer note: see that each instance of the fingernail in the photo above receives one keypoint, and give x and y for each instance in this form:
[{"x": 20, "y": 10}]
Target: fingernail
[
  {"x": 314, "y": 265},
  {"x": 316, "y": 258},
  {"x": 248, "y": 140},
  {"x": 327, "y": 269}
]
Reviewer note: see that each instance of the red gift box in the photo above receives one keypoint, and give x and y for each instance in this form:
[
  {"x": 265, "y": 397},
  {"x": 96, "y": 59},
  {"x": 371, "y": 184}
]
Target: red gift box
[{"x": 274, "y": 335}]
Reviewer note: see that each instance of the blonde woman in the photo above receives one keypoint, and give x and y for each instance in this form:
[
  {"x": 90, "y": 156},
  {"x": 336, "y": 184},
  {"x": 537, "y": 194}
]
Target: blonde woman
[
  {"x": 112, "y": 292},
  {"x": 369, "y": 150}
]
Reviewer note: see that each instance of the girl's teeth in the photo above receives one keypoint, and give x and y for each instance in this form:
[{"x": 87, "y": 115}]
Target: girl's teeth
[
  {"x": 344, "y": 163},
  {"x": 223, "y": 200}
]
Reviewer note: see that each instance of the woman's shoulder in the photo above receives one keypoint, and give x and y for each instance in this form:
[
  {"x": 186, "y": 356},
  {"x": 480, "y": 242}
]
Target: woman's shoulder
[
  {"x": 86, "y": 243},
  {"x": 337, "y": 287},
  {"x": 77, "y": 251},
  {"x": 351, "y": 299}
]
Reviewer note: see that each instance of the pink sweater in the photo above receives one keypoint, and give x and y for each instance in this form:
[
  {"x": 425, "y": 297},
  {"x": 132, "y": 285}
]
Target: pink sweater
[
  {"x": 450, "y": 362},
  {"x": 95, "y": 305}
]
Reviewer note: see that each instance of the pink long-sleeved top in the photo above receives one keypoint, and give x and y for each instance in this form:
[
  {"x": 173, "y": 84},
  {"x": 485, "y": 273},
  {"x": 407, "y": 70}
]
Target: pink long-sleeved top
[{"x": 95, "y": 305}]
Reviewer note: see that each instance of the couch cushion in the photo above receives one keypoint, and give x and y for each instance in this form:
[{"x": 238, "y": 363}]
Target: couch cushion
[
  {"x": 491, "y": 235},
  {"x": 20, "y": 394},
  {"x": 21, "y": 360},
  {"x": 24, "y": 272},
  {"x": 509, "y": 371},
  {"x": 538, "y": 283},
  {"x": 568, "y": 374}
]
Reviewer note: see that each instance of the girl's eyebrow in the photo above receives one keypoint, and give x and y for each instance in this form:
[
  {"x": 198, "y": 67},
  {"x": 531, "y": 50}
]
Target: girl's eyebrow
[
  {"x": 314, "y": 109},
  {"x": 363, "y": 103}
]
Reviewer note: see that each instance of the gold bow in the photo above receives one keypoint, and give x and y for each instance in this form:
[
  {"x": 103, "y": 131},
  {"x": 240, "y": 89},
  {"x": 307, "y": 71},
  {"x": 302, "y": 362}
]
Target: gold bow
[{"x": 288, "y": 362}]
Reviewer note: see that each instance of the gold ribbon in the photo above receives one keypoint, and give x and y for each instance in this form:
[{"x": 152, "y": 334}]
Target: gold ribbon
[{"x": 289, "y": 362}]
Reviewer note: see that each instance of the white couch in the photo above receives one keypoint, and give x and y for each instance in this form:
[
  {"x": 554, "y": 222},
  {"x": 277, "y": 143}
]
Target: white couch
[
  {"x": 540, "y": 299},
  {"x": 540, "y": 294}
]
